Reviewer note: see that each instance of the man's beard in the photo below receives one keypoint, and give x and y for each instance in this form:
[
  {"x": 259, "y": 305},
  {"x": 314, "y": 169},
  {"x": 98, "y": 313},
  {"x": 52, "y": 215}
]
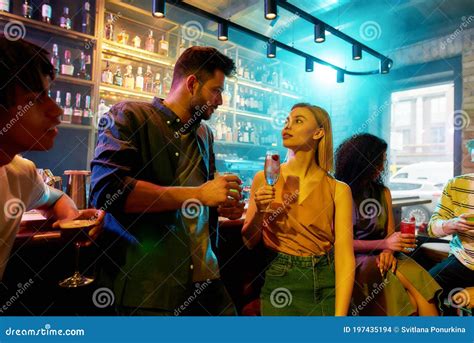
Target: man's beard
[{"x": 199, "y": 109}]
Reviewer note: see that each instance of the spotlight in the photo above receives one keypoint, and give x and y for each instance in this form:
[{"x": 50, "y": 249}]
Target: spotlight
[
  {"x": 385, "y": 66},
  {"x": 309, "y": 64},
  {"x": 223, "y": 32},
  {"x": 319, "y": 32},
  {"x": 270, "y": 9},
  {"x": 340, "y": 76},
  {"x": 158, "y": 8},
  {"x": 271, "y": 49},
  {"x": 356, "y": 52}
]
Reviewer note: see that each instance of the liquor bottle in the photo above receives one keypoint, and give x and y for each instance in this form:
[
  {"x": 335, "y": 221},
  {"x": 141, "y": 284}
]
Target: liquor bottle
[
  {"x": 86, "y": 26},
  {"x": 27, "y": 9},
  {"x": 239, "y": 132},
  {"x": 137, "y": 42},
  {"x": 65, "y": 21},
  {"x": 182, "y": 47},
  {"x": 122, "y": 37},
  {"x": 167, "y": 83},
  {"x": 240, "y": 68},
  {"x": 139, "y": 79},
  {"x": 219, "y": 128},
  {"x": 67, "y": 68},
  {"x": 275, "y": 81},
  {"x": 252, "y": 72},
  {"x": 163, "y": 47},
  {"x": 118, "y": 79},
  {"x": 252, "y": 136},
  {"x": 87, "y": 113},
  {"x": 55, "y": 60},
  {"x": 148, "y": 80},
  {"x": 58, "y": 98},
  {"x": 246, "y": 73},
  {"x": 107, "y": 76},
  {"x": 128, "y": 78},
  {"x": 82, "y": 73},
  {"x": 109, "y": 27},
  {"x": 150, "y": 42},
  {"x": 77, "y": 111},
  {"x": 157, "y": 85},
  {"x": 103, "y": 109},
  {"x": 46, "y": 12},
  {"x": 226, "y": 96},
  {"x": 67, "y": 112},
  {"x": 5, "y": 5}
]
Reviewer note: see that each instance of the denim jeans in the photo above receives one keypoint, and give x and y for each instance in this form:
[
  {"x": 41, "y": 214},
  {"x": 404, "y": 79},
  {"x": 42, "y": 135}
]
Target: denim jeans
[
  {"x": 451, "y": 274},
  {"x": 299, "y": 286}
]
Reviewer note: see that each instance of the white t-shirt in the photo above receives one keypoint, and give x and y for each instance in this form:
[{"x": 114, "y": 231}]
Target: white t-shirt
[{"x": 21, "y": 189}]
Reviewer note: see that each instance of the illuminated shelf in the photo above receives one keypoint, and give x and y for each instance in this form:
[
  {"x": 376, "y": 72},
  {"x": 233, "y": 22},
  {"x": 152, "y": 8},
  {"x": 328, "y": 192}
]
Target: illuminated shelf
[
  {"x": 264, "y": 87},
  {"x": 246, "y": 145},
  {"x": 74, "y": 80},
  {"x": 55, "y": 29},
  {"x": 116, "y": 90},
  {"x": 137, "y": 55}
]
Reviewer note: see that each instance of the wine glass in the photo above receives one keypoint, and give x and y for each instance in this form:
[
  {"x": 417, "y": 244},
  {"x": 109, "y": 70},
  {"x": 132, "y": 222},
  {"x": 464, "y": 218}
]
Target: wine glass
[
  {"x": 272, "y": 170},
  {"x": 77, "y": 231}
]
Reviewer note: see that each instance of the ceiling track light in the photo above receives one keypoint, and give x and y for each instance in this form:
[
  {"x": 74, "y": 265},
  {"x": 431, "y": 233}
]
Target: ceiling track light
[
  {"x": 319, "y": 32},
  {"x": 356, "y": 52},
  {"x": 340, "y": 76},
  {"x": 223, "y": 31},
  {"x": 271, "y": 49},
  {"x": 385, "y": 65},
  {"x": 271, "y": 9},
  {"x": 309, "y": 65},
  {"x": 158, "y": 8}
]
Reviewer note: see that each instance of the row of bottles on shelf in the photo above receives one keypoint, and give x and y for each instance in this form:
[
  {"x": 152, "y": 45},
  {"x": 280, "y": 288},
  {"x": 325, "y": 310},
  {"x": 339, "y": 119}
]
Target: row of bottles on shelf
[
  {"x": 123, "y": 37},
  {"x": 253, "y": 100},
  {"x": 145, "y": 82},
  {"x": 267, "y": 75},
  {"x": 245, "y": 132},
  {"x": 79, "y": 112},
  {"x": 66, "y": 66},
  {"x": 44, "y": 12}
]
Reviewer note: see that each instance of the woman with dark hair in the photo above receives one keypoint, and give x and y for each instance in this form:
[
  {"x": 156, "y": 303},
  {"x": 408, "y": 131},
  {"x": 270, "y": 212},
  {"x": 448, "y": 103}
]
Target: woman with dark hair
[
  {"x": 308, "y": 231},
  {"x": 387, "y": 281}
]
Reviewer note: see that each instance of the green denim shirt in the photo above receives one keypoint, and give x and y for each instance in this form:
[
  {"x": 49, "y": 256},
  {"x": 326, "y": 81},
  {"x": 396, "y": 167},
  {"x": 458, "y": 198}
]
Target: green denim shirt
[{"x": 146, "y": 257}]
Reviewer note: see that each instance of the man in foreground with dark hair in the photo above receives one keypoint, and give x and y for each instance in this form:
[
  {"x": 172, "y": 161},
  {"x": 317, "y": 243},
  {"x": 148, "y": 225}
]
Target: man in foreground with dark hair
[
  {"x": 160, "y": 157},
  {"x": 28, "y": 121}
]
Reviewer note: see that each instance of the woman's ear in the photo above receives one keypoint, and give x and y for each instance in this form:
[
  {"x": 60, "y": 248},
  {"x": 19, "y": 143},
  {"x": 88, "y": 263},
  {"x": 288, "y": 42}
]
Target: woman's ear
[{"x": 318, "y": 134}]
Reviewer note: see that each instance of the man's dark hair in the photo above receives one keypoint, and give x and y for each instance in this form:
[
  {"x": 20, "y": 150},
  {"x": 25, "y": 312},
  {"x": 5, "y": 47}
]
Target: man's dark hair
[
  {"x": 22, "y": 64},
  {"x": 203, "y": 62}
]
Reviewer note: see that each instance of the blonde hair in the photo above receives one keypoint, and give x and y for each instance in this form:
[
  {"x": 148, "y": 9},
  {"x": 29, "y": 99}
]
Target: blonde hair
[{"x": 324, "y": 150}]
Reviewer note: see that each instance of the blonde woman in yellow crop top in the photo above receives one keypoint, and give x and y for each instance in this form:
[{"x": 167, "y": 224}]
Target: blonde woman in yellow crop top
[{"x": 308, "y": 232}]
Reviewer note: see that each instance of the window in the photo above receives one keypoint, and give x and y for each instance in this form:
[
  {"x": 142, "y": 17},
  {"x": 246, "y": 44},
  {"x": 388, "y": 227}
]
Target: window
[{"x": 395, "y": 186}]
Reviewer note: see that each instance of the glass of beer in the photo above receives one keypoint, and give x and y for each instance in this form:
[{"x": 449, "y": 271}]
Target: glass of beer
[{"x": 76, "y": 231}]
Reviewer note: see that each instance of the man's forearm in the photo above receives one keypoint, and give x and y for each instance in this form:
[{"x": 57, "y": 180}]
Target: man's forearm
[
  {"x": 63, "y": 208},
  {"x": 148, "y": 197}
]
